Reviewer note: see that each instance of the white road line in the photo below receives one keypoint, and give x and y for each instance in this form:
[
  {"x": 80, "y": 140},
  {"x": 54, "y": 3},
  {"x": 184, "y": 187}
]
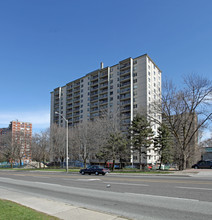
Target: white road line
[
  {"x": 181, "y": 187},
  {"x": 87, "y": 180},
  {"x": 127, "y": 184}
]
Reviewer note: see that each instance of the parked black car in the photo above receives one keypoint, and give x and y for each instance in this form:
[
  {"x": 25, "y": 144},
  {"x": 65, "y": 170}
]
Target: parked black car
[
  {"x": 202, "y": 164},
  {"x": 95, "y": 169}
]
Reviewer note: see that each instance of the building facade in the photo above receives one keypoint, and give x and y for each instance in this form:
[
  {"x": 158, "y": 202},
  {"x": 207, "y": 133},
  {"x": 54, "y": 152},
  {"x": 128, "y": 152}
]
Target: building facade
[
  {"x": 21, "y": 134},
  {"x": 125, "y": 89}
]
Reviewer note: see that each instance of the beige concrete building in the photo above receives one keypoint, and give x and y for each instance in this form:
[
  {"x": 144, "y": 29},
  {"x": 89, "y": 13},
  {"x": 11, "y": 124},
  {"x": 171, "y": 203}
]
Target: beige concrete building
[{"x": 125, "y": 88}]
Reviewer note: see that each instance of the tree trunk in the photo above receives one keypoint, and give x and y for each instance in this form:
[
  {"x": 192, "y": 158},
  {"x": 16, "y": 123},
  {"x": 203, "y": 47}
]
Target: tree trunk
[
  {"x": 113, "y": 164},
  {"x": 140, "y": 165},
  {"x": 84, "y": 161}
]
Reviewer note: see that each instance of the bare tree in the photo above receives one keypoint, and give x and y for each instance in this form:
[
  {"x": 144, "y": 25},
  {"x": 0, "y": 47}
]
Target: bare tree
[
  {"x": 58, "y": 147},
  {"x": 186, "y": 111},
  {"x": 8, "y": 149},
  {"x": 41, "y": 147}
]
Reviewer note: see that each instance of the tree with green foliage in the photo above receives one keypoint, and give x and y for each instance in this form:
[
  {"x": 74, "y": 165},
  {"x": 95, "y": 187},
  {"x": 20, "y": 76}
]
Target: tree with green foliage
[
  {"x": 116, "y": 148},
  {"x": 163, "y": 145},
  {"x": 141, "y": 136}
]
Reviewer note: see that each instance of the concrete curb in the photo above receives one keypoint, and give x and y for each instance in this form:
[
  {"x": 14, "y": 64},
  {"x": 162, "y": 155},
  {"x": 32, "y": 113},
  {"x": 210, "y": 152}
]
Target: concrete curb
[{"x": 55, "y": 208}]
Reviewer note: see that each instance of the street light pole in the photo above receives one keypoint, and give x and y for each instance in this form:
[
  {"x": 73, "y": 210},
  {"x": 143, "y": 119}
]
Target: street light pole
[{"x": 66, "y": 139}]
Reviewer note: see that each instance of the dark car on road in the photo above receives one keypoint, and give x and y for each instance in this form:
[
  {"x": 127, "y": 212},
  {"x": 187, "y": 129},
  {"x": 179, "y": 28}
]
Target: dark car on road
[
  {"x": 95, "y": 169},
  {"x": 202, "y": 164}
]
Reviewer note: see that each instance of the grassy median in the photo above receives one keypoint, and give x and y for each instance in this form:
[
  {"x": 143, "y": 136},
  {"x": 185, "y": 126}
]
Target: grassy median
[{"x": 11, "y": 210}]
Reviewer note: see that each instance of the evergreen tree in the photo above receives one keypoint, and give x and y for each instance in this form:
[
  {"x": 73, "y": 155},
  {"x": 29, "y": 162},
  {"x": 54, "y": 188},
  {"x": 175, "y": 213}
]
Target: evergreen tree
[
  {"x": 116, "y": 147},
  {"x": 163, "y": 144},
  {"x": 141, "y": 136}
]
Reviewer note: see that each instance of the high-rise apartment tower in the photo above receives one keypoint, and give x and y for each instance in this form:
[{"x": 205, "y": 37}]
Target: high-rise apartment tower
[{"x": 125, "y": 89}]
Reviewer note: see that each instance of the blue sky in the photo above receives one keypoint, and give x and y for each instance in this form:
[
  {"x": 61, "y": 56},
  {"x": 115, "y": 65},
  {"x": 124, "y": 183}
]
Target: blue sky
[{"x": 47, "y": 43}]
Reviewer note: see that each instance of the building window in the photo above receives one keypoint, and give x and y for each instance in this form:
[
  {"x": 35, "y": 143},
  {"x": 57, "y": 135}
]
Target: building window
[
  {"x": 134, "y": 61},
  {"x": 135, "y": 80}
]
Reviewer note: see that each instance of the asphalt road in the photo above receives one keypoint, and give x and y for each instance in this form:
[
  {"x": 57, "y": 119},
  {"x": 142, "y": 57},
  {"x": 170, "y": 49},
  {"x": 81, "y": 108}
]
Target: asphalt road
[{"x": 131, "y": 196}]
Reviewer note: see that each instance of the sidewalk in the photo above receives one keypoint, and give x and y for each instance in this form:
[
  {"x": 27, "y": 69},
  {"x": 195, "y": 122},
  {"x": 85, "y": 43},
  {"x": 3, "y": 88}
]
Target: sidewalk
[{"x": 55, "y": 208}]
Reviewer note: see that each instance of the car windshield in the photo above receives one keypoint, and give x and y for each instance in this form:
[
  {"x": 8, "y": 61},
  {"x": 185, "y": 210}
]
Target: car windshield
[{"x": 95, "y": 167}]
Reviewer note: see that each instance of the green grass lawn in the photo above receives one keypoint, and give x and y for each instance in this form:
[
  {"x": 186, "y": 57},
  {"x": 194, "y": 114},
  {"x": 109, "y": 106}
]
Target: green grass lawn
[{"x": 11, "y": 210}]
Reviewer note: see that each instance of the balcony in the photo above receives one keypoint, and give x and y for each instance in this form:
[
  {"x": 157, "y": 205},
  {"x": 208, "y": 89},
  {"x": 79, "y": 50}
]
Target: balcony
[
  {"x": 76, "y": 104},
  {"x": 94, "y": 77},
  {"x": 69, "y": 111},
  {"x": 103, "y": 102},
  {"x": 69, "y": 89},
  {"x": 76, "y": 84},
  {"x": 76, "y": 114},
  {"x": 69, "y": 101},
  {"x": 125, "y": 72},
  {"x": 94, "y": 115},
  {"x": 103, "y": 74},
  {"x": 125, "y": 96},
  {"x": 125, "y": 84},
  {"x": 76, "y": 109},
  {"x": 125, "y": 121},
  {"x": 103, "y": 91},
  {"x": 94, "y": 82},
  {"x": 125, "y": 109},
  {"x": 96, "y": 109},
  {"x": 94, "y": 99},
  {"x": 124, "y": 66},
  {"x": 125, "y": 102},
  {"x": 104, "y": 85},
  {"x": 76, "y": 94},
  {"x": 103, "y": 96},
  {"x": 94, "y": 88},
  {"x": 94, "y": 93},
  {"x": 125, "y": 78},
  {"x": 94, "y": 104},
  {"x": 77, "y": 89},
  {"x": 76, "y": 100},
  {"x": 103, "y": 80},
  {"x": 69, "y": 97},
  {"x": 126, "y": 90}
]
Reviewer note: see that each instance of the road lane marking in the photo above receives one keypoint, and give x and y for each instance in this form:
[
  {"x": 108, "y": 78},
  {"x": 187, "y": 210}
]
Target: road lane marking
[
  {"x": 128, "y": 184},
  {"x": 88, "y": 180},
  {"x": 181, "y": 187},
  {"x": 162, "y": 197}
]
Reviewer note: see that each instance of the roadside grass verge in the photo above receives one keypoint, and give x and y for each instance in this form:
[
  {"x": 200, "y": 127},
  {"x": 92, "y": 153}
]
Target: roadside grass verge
[{"x": 11, "y": 210}]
